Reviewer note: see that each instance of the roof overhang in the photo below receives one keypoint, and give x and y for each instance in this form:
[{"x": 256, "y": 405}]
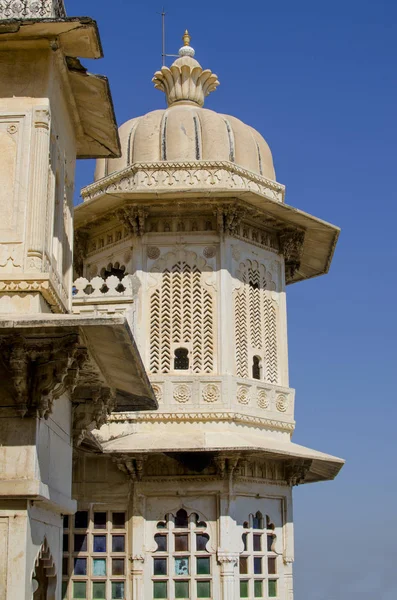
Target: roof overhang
[
  {"x": 95, "y": 121},
  {"x": 101, "y": 355},
  {"x": 319, "y": 466},
  {"x": 208, "y": 183}
]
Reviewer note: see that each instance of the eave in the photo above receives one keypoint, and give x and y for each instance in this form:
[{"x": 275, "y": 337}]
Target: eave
[
  {"x": 92, "y": 105},
  {"x": 180, "y": 185},
  {"x": 318, "y": 466},
  {"x": 112, "y": 362}
]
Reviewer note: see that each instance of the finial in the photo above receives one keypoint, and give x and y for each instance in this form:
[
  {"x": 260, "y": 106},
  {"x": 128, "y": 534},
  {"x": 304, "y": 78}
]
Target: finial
[
  {"x": 185, "y": 81},
  {"x": 186, "y": 38},
  {"x": 186, "y": 49}
]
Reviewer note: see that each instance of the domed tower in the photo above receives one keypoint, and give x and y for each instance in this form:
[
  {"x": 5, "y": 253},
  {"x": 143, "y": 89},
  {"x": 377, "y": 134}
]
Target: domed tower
[{"x": 189, "y": 235}]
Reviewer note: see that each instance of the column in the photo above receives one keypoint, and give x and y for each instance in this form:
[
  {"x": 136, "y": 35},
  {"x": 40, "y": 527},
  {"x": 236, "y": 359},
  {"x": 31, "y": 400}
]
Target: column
[{"x": 38, "y": 189}]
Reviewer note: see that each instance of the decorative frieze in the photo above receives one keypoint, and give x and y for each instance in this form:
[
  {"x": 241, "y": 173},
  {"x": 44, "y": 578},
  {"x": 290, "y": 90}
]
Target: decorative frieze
[
  {"x": 32, "y": 9},
  {"x": 160, "y": 177}
]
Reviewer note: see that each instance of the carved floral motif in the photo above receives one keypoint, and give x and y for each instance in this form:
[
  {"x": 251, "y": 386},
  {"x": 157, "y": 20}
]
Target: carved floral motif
[
  {"x": 153, "y": 252},
  {"x": 209, "y": 252},
  {"x": 282, "y": 403},
  {"x": 211, "y": 393},
  {"x": 262, "y": 399},
  {"x": 30, "y": 9},
  {"x": 158, "y": 392},
  {"x": 243, "y": 394},
  {"x": 182, "y": 393}
]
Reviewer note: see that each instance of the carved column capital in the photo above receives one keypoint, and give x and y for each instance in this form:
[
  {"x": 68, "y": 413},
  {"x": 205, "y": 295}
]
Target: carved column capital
[
  {"x": 41, "y": 118},
  {"x": 131, "y": 465}
]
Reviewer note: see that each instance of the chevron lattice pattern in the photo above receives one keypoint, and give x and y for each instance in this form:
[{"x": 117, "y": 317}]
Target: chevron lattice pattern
[
  {"x": 181, "y": 312},
  {"x": 255, "y": 315}
]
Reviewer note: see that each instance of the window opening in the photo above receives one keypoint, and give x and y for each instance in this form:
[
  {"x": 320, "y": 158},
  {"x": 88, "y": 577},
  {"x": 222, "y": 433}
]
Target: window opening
[
  {"x": 182, "y": 563},
  {"x": 94, "y": 564},
  {"x": 256, "y": 367},
  {"x": 181, "y": 359},
  {"x": 258, "y": 563}
]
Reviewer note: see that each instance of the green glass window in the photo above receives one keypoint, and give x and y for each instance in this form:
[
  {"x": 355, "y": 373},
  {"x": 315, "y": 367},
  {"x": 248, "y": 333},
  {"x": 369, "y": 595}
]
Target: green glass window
[
  {"x": 243, "y": 588},
  {"x": 99, "y": 567},
  {"x": 203, "y": 589},
  {"x": 181, "y": 589},
  {"x": 203, "y": 565},
  {"x": 64, "y": 590},
  {"x": 160, "y": 566},
  {"x": 272, "y": 588},
  {"x": 258, "y": 588},
  {"x": 79, "y": 589},
  {"x": 99, "y": 590},
  {"x": 159, "y": 589},
  {"x": 117, "y": 590}
]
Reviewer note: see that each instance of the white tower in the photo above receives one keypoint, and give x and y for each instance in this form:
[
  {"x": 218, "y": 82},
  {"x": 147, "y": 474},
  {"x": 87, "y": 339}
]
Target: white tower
[{"x": 191, "y": 232}]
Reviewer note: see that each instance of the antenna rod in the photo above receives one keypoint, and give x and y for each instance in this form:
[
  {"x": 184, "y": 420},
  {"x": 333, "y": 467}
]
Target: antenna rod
[{"x": 163, "y": 36}]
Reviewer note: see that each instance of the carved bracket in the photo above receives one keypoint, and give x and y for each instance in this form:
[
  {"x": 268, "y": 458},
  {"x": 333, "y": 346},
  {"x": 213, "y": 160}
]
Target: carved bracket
[
  {"x": 134, "y": 218},
  {"x": 229, "y": 218},
  {"x": 296, "y": 471},
  {"x": 93, "y": 414},
  {"x": 41, "y": 370},
  {"x": 291, "y": 246},
  {"x": 131, "y": 465}
]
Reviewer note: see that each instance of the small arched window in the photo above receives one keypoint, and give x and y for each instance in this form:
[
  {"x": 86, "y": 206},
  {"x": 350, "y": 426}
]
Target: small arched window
[
  {"x": 181, "y": 359},
  {"x": 256, "y": 367}
]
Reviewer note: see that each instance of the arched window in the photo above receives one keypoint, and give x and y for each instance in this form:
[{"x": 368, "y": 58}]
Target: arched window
[
  {"x": 256, "y": 367},
  {"x": 181, "y": 359},
  {"x": 258, "y": 561},
  {"x": 182, "y": 563}
]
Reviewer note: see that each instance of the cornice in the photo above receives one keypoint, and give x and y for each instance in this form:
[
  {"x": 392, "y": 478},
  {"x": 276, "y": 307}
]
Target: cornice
[
  {"x": 201, "y": 417},
  {"x": 157, "y": 176}
]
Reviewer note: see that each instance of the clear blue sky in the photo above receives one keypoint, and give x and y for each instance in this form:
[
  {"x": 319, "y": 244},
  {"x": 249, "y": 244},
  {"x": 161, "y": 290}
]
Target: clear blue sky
[{"x": 318, "y": 80}]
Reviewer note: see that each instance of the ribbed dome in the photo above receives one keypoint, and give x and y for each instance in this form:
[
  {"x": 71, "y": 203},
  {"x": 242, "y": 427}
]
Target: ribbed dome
[{"x": 186, "y": 133}]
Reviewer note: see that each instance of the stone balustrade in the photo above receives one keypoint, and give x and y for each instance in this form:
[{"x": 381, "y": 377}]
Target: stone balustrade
[
  {"x": 109, "y": 296},
  {"x": 101, "y": 288}
]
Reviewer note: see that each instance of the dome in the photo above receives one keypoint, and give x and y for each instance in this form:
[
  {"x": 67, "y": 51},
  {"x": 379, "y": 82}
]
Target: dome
[{"x": 185, "y": 131}]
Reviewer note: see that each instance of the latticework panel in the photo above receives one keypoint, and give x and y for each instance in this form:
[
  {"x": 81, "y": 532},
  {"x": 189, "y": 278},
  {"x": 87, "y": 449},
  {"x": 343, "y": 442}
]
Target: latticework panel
[
  {"x": 181, "y": 312},
  {"x": 255, "y": 317}
]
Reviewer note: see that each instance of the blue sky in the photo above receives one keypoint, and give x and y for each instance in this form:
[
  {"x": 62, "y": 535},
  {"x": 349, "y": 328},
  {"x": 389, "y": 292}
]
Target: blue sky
[{"x": 318, "y": 80}]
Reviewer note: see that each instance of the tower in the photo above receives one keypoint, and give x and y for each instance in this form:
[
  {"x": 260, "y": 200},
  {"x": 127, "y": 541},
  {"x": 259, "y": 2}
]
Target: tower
[
  {"x": 55, "y": 387},
  {"x": 188, "y": 235}
]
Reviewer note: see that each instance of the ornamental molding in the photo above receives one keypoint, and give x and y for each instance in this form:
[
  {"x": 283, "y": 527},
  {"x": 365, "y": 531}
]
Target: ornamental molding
[
  {"x": 32, "y": 9},
  {"x": 227, "y": 558},
  {"x": 202, "y": 417},
  {"x": 54, "y": 295},
  {"x": 291, "y": 246},
  {"x": 130, "y": 465},
  {"x": 164, "y": 176}
]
